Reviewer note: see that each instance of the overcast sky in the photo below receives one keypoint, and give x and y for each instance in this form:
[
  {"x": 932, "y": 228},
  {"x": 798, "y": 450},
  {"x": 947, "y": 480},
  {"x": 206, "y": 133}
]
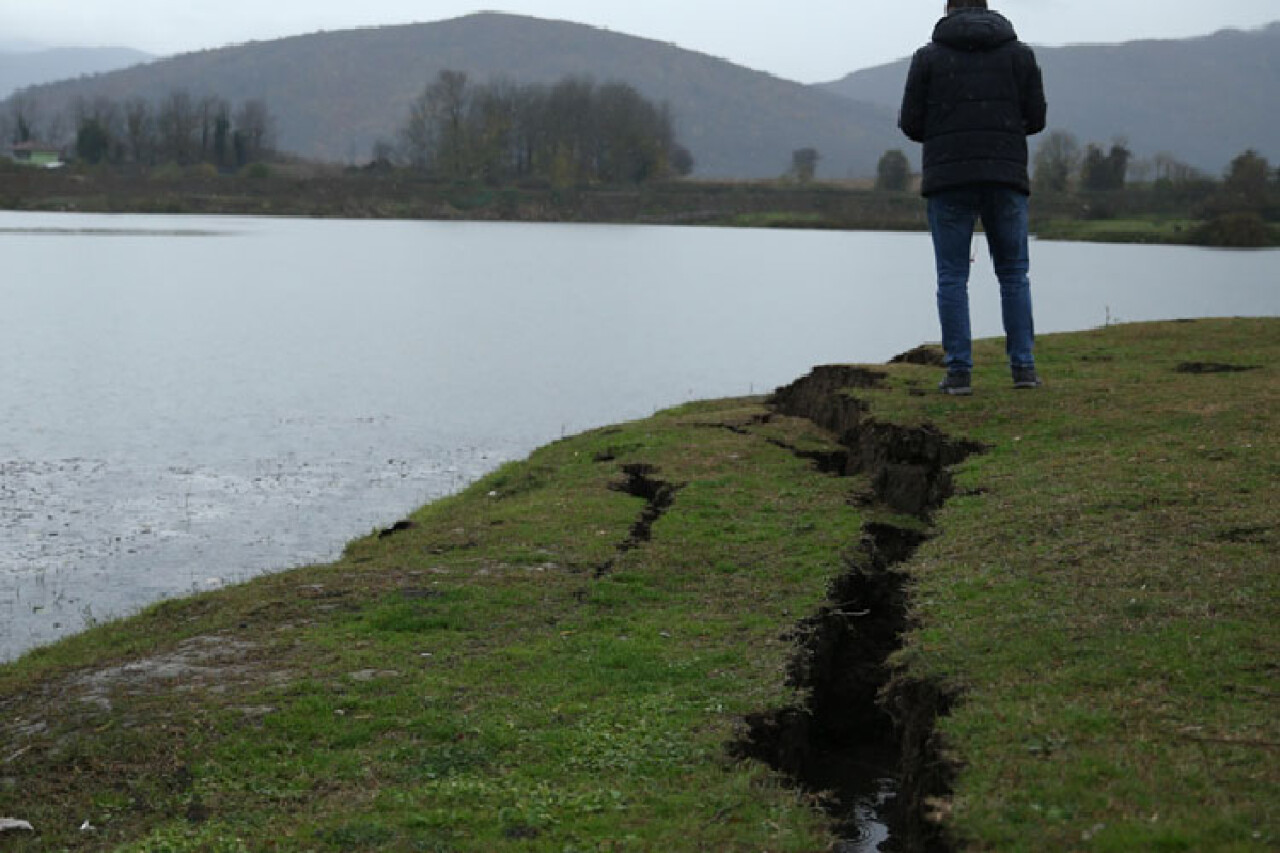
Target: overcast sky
[{"x": 805, "y": 40}]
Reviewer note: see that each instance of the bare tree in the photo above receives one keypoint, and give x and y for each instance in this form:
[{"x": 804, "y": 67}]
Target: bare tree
[
  {"x": 494, "y": 120},
  {"x": 254, "y": 136},
  {"x": 24, "y": 118},
  {"x": 1171, "y": 170},
  {"x": 208, "y": 110},
  {"x": 177, "y": 123},
  {"x": 1056, "y": 162},
  {"x": 571, "y": 132},
  {"x": 139, "y": 130},
  {"x": 434, "y": 136},
  {"x": 804, "y": 164},
  {"x": 1141, "y": 171}
]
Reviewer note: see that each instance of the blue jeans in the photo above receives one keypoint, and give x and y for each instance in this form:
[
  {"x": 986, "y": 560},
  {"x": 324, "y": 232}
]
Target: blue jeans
[{"x": 952, "y": 216}]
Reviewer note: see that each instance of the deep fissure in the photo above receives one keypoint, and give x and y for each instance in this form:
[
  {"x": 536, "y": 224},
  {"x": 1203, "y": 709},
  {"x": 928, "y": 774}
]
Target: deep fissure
[
  {"x": 862, "y": 720},
  {"x": 640, "y": 480}
]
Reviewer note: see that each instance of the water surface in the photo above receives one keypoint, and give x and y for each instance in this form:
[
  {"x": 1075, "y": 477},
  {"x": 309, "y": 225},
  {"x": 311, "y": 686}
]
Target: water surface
[{"x": 191, "y": 401}]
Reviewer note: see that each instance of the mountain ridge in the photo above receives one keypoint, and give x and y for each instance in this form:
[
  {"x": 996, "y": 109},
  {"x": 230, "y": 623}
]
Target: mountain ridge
[
  {"x": 22, "y": 68},
  {"x": 336, "y": 93},
  {"x": 1159, "y": 94},
  {"x": 333, "y": 101}
]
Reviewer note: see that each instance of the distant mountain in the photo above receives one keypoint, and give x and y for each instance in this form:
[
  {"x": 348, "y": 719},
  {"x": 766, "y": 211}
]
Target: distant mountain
[
  {"x": 335, "y": 94},
  {"x": 22, "y": 68},
  {"x": 19, "y": 45},
  {"x": 1204, "y": 100}
]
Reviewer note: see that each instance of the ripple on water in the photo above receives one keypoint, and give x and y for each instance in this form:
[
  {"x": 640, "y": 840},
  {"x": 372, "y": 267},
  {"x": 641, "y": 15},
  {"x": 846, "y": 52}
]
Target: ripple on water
[{"x": 83, "y": 540}]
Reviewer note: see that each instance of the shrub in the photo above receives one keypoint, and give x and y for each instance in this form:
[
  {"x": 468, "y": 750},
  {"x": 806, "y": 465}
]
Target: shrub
[
  {"x": 257, "y": 171},
  {"x": 202, "y": 171},
  {"x": 1235, "y": 231}
]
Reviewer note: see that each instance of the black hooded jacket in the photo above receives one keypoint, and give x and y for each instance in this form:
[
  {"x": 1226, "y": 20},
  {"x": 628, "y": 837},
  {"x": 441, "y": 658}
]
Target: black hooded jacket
[{"x": 972, "y": 97}]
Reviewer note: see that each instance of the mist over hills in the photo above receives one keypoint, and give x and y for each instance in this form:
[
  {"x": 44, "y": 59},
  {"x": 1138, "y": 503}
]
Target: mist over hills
[
  {"x": 335, "y": 94},
  {"x": 22, "y": 68},
  {"x": 1205, "y": 100}
]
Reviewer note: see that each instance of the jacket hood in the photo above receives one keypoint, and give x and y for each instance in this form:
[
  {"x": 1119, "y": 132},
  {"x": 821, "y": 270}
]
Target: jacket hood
[{"x": 974, "y": 30}]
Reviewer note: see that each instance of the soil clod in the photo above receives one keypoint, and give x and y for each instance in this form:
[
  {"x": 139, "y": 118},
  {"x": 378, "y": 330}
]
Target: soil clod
[{"x": 1202, "y": 367}]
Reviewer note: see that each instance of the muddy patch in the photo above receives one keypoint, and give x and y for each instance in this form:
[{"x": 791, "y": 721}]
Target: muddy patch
[
  {"x": 203, "y": 666},
  {"x": 201, "y": 663}
]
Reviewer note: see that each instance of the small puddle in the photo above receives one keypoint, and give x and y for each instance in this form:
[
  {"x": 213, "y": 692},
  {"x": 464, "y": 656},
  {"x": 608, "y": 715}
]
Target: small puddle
[
  {"x": 843, "y": 744},
  {"x": 863, "y": 788},
  {"x": 855, "y": 779}
]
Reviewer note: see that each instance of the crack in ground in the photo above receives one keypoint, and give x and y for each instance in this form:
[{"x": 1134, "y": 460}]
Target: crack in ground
[
  {"x": 827, "y": 461},
  {"x": 861, "y": 719},
  {"x": 640, "y": 481}
]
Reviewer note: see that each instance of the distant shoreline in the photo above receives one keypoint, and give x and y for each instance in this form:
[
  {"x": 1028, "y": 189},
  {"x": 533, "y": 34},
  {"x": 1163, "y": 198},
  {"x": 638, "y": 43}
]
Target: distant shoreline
[{"x": 334, "y": 192}]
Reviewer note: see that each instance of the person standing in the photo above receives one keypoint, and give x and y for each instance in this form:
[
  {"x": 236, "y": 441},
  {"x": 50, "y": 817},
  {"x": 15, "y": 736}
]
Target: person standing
[{"x": 973, "y": 96}]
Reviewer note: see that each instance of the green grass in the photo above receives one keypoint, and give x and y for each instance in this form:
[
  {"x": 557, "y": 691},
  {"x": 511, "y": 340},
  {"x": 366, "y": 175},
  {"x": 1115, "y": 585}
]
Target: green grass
[
  {"x": 779, "y": 219},
  {"x": 1142, "y": 230},
  {"x": 470, "y": 684},
  {"x": 1102, "y": 593},
  {"x": 1106, "y": 594}
]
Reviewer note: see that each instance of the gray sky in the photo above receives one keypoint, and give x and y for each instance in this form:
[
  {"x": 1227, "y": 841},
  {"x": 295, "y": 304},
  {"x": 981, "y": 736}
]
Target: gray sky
[{"x": 805, "y": 40}]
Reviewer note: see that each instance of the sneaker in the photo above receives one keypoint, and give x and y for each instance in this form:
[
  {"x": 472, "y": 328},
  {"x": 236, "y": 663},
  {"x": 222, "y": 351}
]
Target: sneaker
[
  {"x": 957, "y": 384},
  {"x": 1025, "y": 377}
]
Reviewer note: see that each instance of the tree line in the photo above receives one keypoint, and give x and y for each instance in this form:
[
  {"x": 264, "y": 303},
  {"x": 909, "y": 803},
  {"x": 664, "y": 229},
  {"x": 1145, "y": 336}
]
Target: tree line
[
  {"x": 179, "y": 129},
  {"x": 572, "y": 132},
  {"x": 1062, "y": 165}
]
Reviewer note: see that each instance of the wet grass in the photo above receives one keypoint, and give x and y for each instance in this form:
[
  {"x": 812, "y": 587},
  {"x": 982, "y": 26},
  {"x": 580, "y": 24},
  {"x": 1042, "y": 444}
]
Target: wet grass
[
  {"x": 1105, "y": 596},
  {"x": 470, "y": 682},
  {"x": 1153, "y": 229},
  {"x": 1101, "y": 595}
]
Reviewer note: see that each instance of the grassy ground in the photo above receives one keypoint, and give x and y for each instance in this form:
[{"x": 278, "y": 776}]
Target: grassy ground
[
  {"x": 1144, "y": 230},
  {"x": 513, "y": 672},
  {"x": 1105, "y": 595},
  {"x": 1238, "y": 231},
  {"x": 551, "y": 662},
  {"x": 335, "y": 192}
]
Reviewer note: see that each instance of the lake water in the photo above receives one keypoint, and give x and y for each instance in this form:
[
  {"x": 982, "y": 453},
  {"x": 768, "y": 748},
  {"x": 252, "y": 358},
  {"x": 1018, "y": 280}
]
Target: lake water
[{"x": 189, "y": 402}]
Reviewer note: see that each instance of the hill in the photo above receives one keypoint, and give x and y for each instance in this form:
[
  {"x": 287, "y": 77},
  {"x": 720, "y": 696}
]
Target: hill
[
  {"x": 1204, "y": 100},
  {"x": 335, "y": 94},
  {"x": 29, "y": 68}
]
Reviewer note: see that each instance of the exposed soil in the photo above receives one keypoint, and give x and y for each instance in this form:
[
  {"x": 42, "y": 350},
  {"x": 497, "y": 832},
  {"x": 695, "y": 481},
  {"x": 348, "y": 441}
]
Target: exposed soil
[
  {"x": 397, "y": 528},
  {"x": 1199, "y": 367},
  {"x": 860, "y": 714},
  {"x": 927, "y": 355}
]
